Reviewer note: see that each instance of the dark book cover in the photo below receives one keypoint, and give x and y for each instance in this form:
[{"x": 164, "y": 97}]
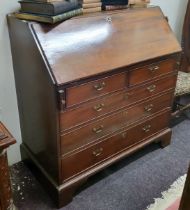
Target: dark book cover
[
  {"x": 114, "y": 7},
  {"x": 114, "y": 2},
  {"x": 53, "y": 8},
  {"x": 49, "y": 19}
]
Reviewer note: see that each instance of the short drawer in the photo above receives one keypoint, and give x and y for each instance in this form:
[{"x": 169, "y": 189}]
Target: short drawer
[
  {"x": 106, "y": 104},
  {"x": 84, "y": 92},
  {"x": 100, "y": 128},
  {"x": 148, "y": 72},
  {"x": 87, "y": 158}
]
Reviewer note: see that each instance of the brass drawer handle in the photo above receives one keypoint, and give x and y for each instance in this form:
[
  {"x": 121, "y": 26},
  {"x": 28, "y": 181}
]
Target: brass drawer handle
[
  {"x": 146, "y": 128},
  {"x": 153, "y": 68},
  {"x": 99, "y": 107},
  {"x": 97, "y": 152},
  {"x": 151, "y": 88},
  {"x": 100, "y": 86},
  {"x": 98, "y": 130},
  {"x": 149, "y": 107}
]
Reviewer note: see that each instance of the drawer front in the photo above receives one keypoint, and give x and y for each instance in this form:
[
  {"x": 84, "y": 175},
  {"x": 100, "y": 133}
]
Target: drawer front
[
  {"x": 98, "y": 129},
  {"x": 84, "y": 92},
  {"x": 113, "y": 102},
  {"x": 78, "y": 162},
  {"x": 148, "y": 72}
]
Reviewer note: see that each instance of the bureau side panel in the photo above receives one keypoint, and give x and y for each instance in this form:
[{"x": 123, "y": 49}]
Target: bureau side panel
[{"x": 36, "y": 95}]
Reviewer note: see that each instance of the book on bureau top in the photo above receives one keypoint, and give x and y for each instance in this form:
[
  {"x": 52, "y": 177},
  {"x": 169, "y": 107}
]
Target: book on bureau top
[
  {"x": 90, "y": 1},
  {"x": 49, "y": 19},
  {"x": 92, "y": 5},
  {"x": 91, "y": 10},
  {"x": 45, "y": 1},
  {"x": 114, "y": 2},
  {"x": 114, "y": 7},
  {"x": 53, "y": 8},
  {"x": 138, "y": 1}
]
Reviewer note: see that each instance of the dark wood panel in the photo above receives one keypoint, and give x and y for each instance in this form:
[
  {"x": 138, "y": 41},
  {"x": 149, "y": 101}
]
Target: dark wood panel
[
  {"x": 37, "y": 97},
  {"x": 84, "y": 92},
  {"x": 106, "y": 104},
  {"x": 91, "y": 156},
  {"x": 98, "y": 129},
  {"x": 83, "y": 47},
  {"x": 151, "y": 71}
]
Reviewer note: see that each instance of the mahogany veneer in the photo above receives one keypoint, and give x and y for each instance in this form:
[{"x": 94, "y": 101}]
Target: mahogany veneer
[{"x": 92, "y": 90}]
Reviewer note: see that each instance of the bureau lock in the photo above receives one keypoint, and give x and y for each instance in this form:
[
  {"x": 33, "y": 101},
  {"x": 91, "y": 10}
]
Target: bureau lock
[{"x": 108, "y": 19}]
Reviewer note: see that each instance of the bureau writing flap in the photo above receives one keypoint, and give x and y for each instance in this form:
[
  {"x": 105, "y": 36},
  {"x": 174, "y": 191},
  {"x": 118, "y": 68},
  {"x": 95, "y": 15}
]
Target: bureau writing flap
[{"x": 90, "y": 45}]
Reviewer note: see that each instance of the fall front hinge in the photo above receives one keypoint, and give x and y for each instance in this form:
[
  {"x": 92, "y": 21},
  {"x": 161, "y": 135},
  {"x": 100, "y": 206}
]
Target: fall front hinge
[{"x": 62, "y": 101}]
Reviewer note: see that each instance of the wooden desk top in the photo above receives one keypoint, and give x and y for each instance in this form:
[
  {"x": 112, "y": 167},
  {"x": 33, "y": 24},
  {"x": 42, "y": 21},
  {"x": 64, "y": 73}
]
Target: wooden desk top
[
  {"x": 87, "y": 46},
  {"x": 6, "y": 138}
]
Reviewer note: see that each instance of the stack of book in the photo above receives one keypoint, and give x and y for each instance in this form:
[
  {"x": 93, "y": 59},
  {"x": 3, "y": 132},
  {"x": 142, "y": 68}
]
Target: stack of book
[
  {"x": 48, "y": 11},
  {"x": 114, "y": 4},
  {"x": 138, "y": 3},
  {"x": 91, "y": 6}
]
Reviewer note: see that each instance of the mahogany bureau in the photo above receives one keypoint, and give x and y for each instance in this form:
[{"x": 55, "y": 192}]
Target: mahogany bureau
[{"x": 92, "y": 90}]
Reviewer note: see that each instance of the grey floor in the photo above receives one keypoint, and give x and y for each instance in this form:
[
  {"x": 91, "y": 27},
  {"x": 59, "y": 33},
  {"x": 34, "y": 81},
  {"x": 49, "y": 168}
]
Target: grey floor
[{"x": 131, "y": 184}]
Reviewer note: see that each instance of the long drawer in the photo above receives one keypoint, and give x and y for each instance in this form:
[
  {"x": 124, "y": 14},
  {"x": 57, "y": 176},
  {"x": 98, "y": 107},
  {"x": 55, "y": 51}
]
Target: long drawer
[
  {"x": 151, "y": 71},
  {"x": 98, "y": 129},
  {"x": 113, "y": 102},
  {"x": 86, "y": 91},
  {"x": 82, "y": 160}
]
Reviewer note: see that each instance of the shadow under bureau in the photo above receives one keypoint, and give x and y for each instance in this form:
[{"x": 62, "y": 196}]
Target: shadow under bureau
[{"x": 92, "y": 90}]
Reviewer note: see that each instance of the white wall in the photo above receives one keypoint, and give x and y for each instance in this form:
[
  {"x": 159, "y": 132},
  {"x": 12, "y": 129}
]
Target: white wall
[
  {"x": 175, "y": 10},
  {"x": 8, "y": 104}
]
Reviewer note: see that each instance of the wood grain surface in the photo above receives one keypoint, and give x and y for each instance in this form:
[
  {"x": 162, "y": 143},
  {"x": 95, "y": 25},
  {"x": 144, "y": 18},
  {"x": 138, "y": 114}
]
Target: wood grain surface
[{"x": 83, "y": 47}]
